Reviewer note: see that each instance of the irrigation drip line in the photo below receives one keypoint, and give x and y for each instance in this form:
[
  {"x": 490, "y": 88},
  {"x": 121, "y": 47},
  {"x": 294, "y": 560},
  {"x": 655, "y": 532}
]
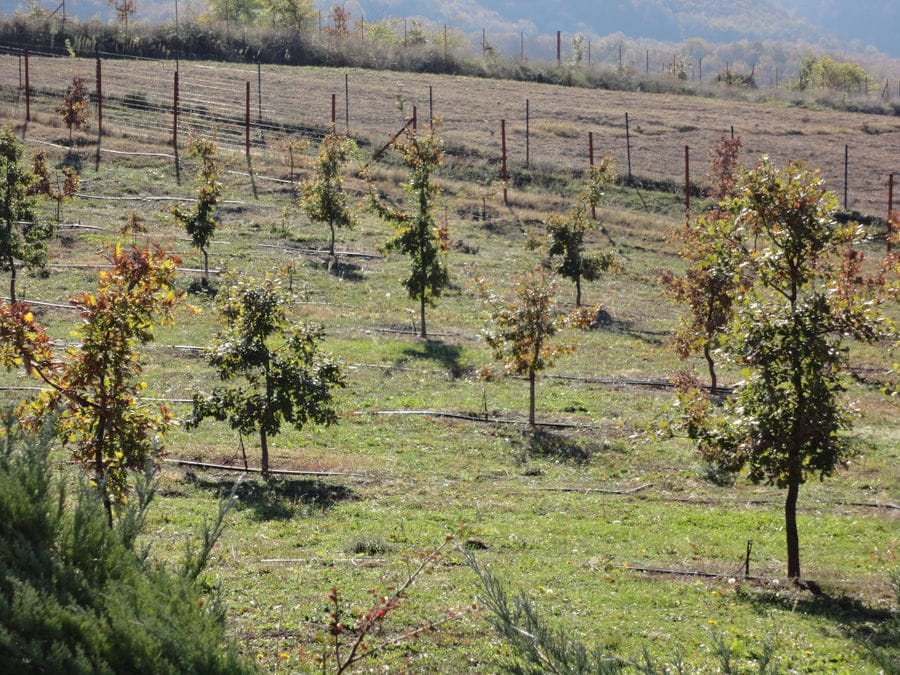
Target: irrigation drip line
[
  {"x": 348, "y": 254},
  {"x": 695, "y": 573},
  {"x": 474, "y": 418},
  {"x": 411, "y": 332},
  {"x": 86, "y": 266},
  {"x": 583, "y": 490},
  {"x": 804, "y": 508},
  {"x": 251, "y": 469},
  {"x": 260, "y": 177},
  {"x": 323, "y": 561},
  {"x": 769, "y": 502},
  {"x": 81, "y": 226},
  {"x": 138, "y": 154},
  {"x": 44, "y": 304},
  {"x": 148, "y": 198}
]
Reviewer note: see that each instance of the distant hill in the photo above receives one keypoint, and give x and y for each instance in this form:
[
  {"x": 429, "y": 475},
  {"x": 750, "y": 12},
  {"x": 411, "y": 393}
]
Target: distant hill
[
  {"x": 859, "y": 26},
  {"x": 830, "y": 23}
]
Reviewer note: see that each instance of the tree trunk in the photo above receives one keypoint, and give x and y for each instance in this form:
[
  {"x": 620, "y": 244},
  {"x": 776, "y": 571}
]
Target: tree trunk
[
  {"x": 532, "y": 376},
  {"x": 264, "y": 446},
  {"x": 12, "y": 281},
  {"x": 331, "y": 244},
  {"x": 711, "y": 365},
  {"x": 205, "y": 279},
  {"x": 578, "y": 291},
  {"x": 790, "y": 528},
  {"x": 100, "y": 474},
  {"x": 422, "y": 331}
]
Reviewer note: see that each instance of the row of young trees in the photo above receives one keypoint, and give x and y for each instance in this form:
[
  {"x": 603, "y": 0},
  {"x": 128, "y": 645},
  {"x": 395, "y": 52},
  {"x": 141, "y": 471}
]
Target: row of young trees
[{"x": 774, "y": 285}]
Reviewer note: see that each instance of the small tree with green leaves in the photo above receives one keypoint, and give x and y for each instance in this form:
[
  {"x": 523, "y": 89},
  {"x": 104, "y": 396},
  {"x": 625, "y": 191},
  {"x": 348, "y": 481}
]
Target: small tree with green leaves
[
  {"x": 200, "y": 221},
  {"x": 322, "y": 197},
  {"x": 806, "y": 297},
  {"x": 43, "y": 184},
  {"x": 520, "y": 332},
  {"x": 75, "y": 108},
  {"x": 274, "y": 368},
  {"x": 712, "y": 246},
  {"x": 566, "y": 233},
  {"x": 418, "y": 236},
  {"x": 93, "y": 393},
  {"x": 23, "y": 238}
]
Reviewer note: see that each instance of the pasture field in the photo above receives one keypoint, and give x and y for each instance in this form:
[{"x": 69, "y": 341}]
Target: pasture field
[{"x": 427, "y": 447}]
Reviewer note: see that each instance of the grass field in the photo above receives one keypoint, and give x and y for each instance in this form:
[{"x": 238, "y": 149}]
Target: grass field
[{"x": 568, "y": 513}]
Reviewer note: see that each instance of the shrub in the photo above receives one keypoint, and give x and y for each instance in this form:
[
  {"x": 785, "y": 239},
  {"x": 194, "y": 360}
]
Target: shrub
[{"x": 79, "y": 597}]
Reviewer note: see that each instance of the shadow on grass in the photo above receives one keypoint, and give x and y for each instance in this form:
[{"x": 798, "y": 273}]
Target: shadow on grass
[
  {"x": 874, "y": 628},
  {"x": 345, "y": 271},
  {"x": 603, "y": 320},
  {"x": 280, "y": 499},
  {"x": 540, "y": 443},
  {"x": 445, "y": 354},
  {"x": 196, "y": 287}
]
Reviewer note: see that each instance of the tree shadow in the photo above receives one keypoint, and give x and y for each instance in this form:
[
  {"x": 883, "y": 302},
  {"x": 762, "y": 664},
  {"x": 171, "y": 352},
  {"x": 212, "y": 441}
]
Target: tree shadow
[
  {"x": 73, "y": 160},
  {"x": 279, "y": 499},
  {"x": 874, "y": 628},
  {"x": 447, "y": 355},
  {"x": 541, "y": 443},
  {"x": 346, "y": 271},
  {"x": 603, "y": 320}
]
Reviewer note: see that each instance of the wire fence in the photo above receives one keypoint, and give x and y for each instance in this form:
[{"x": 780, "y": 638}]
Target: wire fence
[{"x": 261, "y": 109}]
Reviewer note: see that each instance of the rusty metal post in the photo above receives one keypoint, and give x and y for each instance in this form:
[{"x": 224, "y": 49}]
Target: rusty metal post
[
  {"x": 175, "y": 113},
  {"x": 27, "y": 90},
  {"x": 591, "y": 160},
  {"x": 247, "y": 119},
  {"x": 527, "y": 133},
  {"x": 846, "y": 173},
  {"x": 503, "y": 173},
  {"x": 687, "y": 183},
  {"x": 890, "y": 215},
  {"x": 628, "y": 146},
  {"x": 99, "y": 99},
  {"x": 175, "y": 126}
]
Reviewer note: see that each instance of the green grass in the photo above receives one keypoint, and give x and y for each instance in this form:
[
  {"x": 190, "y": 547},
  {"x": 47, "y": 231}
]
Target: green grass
[{"x": 536, "y": 501}]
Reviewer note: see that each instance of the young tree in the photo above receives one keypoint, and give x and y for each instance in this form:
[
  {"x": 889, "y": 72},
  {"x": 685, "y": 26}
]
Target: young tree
[
  {"x": 417, "y": 235},
  {"x": 93, "y": 393},
  {"x": 200, "y": 222},
  {"x": 520, "y": 332},
  {"x": 75, "y": 108},
  {"x": 23, "y": 238},
  {"x": 322, "y": 197},
  {"x": 44, "y": 186},
  {"x": 807, "y": 295},
  {"x": 274, "y": 368},
  {"x": 566, "y": 234},
  {"x": 712, "y": 245}
]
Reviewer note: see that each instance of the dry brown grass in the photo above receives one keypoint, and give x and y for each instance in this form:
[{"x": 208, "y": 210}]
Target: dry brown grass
[{"x": 470, "y": 111}]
